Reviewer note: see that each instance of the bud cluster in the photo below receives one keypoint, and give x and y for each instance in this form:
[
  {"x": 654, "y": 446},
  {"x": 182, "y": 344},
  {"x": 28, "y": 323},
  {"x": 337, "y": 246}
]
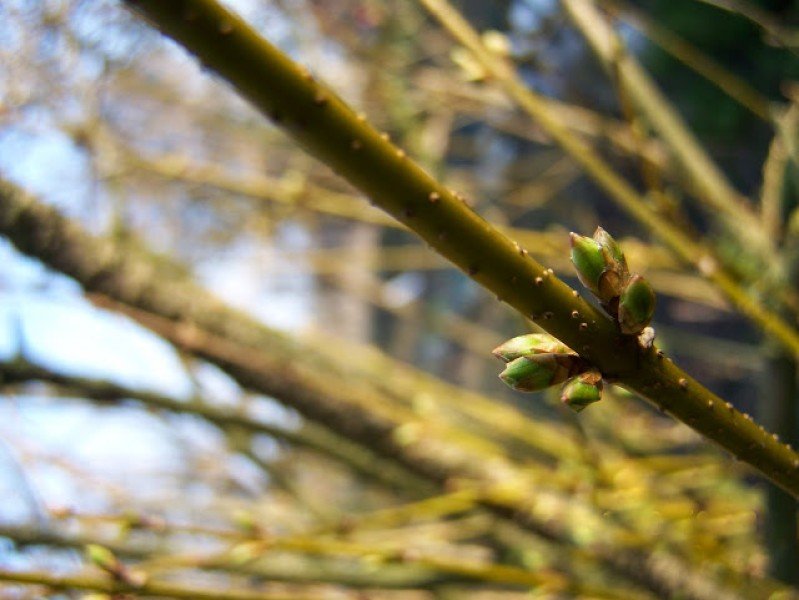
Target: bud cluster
[
  {"x": 602, "y": 268},
  {"x": 537, "y": 361}
]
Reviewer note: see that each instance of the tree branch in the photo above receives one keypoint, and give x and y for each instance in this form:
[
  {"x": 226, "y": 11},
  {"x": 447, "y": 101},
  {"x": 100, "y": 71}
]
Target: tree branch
[
  {"x": 331, "y": 131},
  {"x": 312, "y": 435},
  {"x": 154, "y": 588}
]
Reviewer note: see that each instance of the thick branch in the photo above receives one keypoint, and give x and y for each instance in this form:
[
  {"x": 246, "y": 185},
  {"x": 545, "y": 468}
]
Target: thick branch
[{"x": 331, "y": 131}]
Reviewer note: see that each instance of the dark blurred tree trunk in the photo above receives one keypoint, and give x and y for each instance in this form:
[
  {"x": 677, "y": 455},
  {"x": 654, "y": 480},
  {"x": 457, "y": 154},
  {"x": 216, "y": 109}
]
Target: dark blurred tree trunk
[
  {"x": 779, "y": 408},
  {"x": 485, "y": 15},
  {"x": 779, "y": 403}
]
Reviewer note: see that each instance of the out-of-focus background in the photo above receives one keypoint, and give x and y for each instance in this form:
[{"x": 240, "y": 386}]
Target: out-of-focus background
[{"x": 117, "y": 434}]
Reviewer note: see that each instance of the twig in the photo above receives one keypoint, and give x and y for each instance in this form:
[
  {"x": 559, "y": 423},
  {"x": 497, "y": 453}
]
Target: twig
[
  {"x": 151, "y": 588},
  {"x": 707, "y": 178},
  {"x": 311, "y": 435},
  {"x": 274, "y": 568},
  {"x": 788, "y": 38}
]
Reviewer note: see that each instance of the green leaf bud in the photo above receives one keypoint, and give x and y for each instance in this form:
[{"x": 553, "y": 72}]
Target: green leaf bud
[
  {"x": 588, "y": 260},
  {"x": 636, "y": 305},
  {"x": 539, "y": 371},
  {"x": 583, "y": 390},
  {"x": 102, "y": 557},
  {"x": 600, "y": 265},
  {"x": 532, "y": 343}
]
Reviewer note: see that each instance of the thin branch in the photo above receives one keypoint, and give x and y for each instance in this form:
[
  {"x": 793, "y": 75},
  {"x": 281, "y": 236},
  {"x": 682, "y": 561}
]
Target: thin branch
[
  {"x": 693, "y": 58},
  {"x": 473, "y": 101},
  {"x": 772, "y": 193},
  {"x": 275, "y": 569},
  {"x": 311, "y": 435},
  {"x": 550, "y": 246},
  {"x": 771, "y": 26},
  {"x": 101, "y": 583},
  {"x": 707, "y": 178}
]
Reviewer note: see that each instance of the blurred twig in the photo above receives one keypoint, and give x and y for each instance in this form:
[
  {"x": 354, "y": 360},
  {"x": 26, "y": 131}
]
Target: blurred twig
[
  {"x": 101, "y": 583},
  {"x": 310, "y": 436},
  {"x": 713, "y": 185},
  {"x": 693, "y": 58},
  {"x": 774, "y": 29}
]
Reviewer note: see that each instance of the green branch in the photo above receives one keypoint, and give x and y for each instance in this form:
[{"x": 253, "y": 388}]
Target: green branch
[
  {"x": 693, "y": 58},
  {"x": 773, "y": 28},
  {"x": 331, "y": 131}
]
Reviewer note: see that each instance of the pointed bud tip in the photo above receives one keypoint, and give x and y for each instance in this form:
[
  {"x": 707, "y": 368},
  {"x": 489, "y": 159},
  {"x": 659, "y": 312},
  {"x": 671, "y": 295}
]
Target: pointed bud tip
[{"x": 527, "y": 374}]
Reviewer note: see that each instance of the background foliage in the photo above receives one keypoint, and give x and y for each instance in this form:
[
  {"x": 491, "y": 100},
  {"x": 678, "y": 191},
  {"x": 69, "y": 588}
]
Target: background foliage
[{"x": 201, "y": 482}]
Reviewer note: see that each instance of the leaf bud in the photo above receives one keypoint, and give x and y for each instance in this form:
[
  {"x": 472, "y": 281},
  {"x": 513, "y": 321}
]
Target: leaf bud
[
  {"x": 588, "y": 260},
  {"x": 583, "y": 390},
  {"x": 532, "y": 343},
  {"x": 636, "y": 305},
  {"x": 539, "y": 371}
]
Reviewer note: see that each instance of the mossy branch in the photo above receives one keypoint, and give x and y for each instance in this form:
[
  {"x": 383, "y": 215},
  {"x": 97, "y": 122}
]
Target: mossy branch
[{"x": 327, "y": 128}]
